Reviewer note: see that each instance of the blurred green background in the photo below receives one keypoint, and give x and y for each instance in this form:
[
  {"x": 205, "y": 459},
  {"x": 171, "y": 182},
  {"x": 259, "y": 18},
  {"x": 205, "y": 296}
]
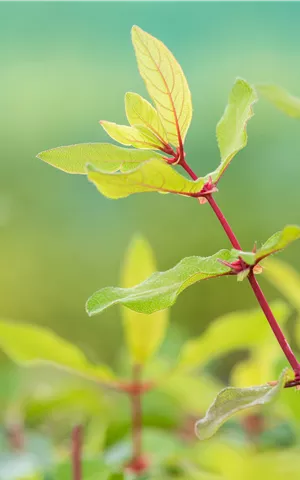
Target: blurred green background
[{"x": 65, "y": 66}]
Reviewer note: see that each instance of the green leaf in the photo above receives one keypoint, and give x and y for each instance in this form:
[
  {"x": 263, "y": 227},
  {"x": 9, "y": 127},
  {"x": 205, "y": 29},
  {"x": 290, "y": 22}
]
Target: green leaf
[
  {"x": 285, "y": 278},
  {"x": 137, "y": 136},
  {"x": 144, "y": 333},
  {"x": 30, "y": 345},
  {"x": 233, "y": 331},
  {"x": 152, "y": 176},
  {"x": 140, "y": 112},
  {"x": 165, "y": 83},
  {"x": 231, "y": 129},
  {"x": 107, "y": 157},
  {"x": 274, "y": 244},
  {"x": 281, "y": 99},
  {"x": 232, "y": 400},
  {"x": 161, "y": 289}
]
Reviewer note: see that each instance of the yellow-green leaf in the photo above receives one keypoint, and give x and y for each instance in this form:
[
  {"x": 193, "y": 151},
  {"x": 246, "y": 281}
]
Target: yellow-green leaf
[
  {"x": 138, "y": 137},
  {"x": 30, "y": 345},
  {"x": 232, "y": 400},
  {"x": 165, "y": 83},
  {"x": 231, "y": 129},
  {"x": 107, "y": 157},
  {"x": 140, "y": 112},
  {"x": 281, "y": 99},
  {"x": 153, "y": 176},
  {"x": 161, "y": 289},
  {"x": 259, "y": 368},
  {"x": 233, "y": 331},
  {"x": 285, "y": 278},
  {"x": 144, "y": 333}
]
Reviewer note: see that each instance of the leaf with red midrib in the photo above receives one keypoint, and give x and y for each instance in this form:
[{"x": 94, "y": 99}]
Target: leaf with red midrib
[{"x": 166, "y": 84}]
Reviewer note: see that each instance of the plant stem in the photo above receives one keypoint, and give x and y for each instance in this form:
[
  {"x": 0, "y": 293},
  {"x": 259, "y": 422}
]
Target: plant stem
[
  {"x": 253, "y": 282},
  {"x": 273, "y": 323},
  {"x": 77, "y": 452},
  {"x": 137, "y": 422}
]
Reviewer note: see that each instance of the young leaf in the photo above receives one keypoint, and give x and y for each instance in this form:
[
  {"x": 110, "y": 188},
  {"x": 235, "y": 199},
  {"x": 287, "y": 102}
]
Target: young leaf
[
  {"x": 285, "y": 278},
  {"x": 161, "y": 289},
  {"x": 231, "y": 129},
  {"x": 144, "y": 333},
  {"x": 138, "y": 137},
  {"x": 165, "y": 83},
  {"x": 233, "y": 331},
  {"x": 232, "y": 400},
  {"x": 152, "y": 176},
  {"x": 140, "y": 112},
  {"x": 281, "y": 99},
  {"x": 274, "y": 244},
  {"x": 109, "y": 158},
  {"x": 30, "y": 345}
]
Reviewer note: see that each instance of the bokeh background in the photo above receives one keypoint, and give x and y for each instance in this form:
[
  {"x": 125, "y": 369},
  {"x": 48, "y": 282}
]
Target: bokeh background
[{"x": 65, "y": 66}]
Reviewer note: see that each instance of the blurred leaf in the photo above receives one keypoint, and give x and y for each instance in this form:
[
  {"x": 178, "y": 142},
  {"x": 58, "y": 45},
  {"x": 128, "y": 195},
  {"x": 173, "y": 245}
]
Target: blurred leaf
[
  {"x": 281, "y": 99},
  {"x": 144, "y": 333},
  {"x": 140, "y": 112},
  {"x": 165, "y": 83},
  {"x": 31, "y": 345},
  {"x": 232, "y": 400},
  {"x": 192, "y": 393},
  {"x": 137, "y": 137},
  {"x": 259, "y": 368},
  {"x": 233, "y": 331},
  {"x": 153, "y": 176},
  {"x": 107, "y": 157},
  {"x": 231, "y": 129},
  {"x": 92, "y": 469},
  {"x": 275, "y": 243},
  {"x": 285, "y": 278},
  {"x": 161, "y": 289}
]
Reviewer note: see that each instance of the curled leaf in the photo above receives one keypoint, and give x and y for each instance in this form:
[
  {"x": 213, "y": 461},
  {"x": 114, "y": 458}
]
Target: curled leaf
[
  {"x": 232, "y": 400},
  {"x": 152, "y": 176},
  {"x": 165, "y": 83},
  {"x": 31, "y": 345},
  {"x": 107, "y": 157},
  {"x": 281, "y": 99},
  {"x": 231, "y": 129},
  {"x": 161, "y": 289}
]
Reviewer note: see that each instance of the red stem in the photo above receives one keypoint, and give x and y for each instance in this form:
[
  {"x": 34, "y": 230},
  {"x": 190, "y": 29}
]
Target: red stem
[
  {"x": 253, "y": 282},
  {"x": 136, "y": 416},
  {"x": 77, "y": 452}
]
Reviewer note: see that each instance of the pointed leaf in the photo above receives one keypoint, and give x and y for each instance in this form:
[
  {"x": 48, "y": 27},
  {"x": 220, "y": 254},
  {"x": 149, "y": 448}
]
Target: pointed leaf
[
  {"x": 232, "y": 400},
  {"x": 233, "y": 331},
  {"x": 144, "y": 332},
  {"x": 161, "y": 289},
  {"x": 152, "y": 176},
  {"x": 30, "y": 345},
  {"x": 281, "y": 99},
  {"x": 138, "y": 137},
  {"x": 109, "y": 158},
  {"x": 231, "y": 129},
  {"x": 285, "y": 278},
  {"x": 140, "y": 112},
  {"x": 274, "y": 244},
  {"x": 166, "y": 84}
]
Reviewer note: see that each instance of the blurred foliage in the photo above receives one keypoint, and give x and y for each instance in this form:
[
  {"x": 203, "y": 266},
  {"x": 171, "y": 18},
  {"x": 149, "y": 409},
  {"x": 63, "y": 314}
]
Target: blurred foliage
[{"x": 61, "y": 69}]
